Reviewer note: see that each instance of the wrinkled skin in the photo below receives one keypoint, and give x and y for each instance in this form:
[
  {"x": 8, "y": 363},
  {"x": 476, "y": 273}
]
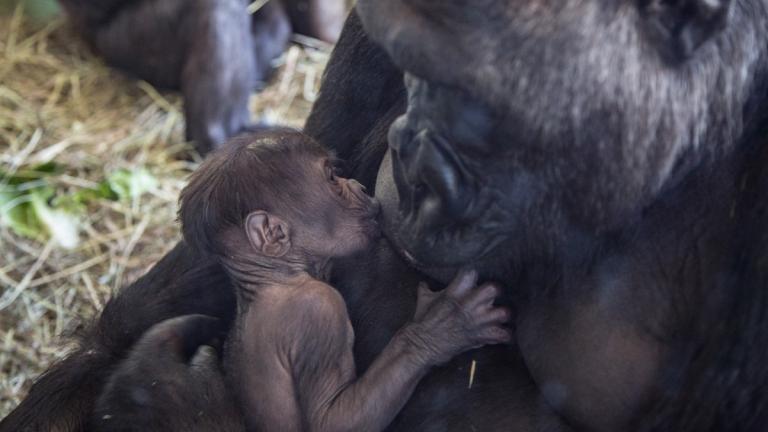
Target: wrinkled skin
[
  {"x": 625, "y": 168},
  {"x": 290, "y": 360}
]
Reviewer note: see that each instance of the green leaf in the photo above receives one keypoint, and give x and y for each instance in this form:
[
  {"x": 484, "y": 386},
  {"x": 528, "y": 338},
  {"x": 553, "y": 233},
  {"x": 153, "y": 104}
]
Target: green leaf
[
  {"x": 28, "y": 213},
  {"x": 16, "y": 213},
  {"x": 77, "y": 200},
  {"x": 30, "y": 207},
  {"x": 106, "y": 192},
  {"x": 131, "y": 184},
  {"x": 61, "y": 225}
]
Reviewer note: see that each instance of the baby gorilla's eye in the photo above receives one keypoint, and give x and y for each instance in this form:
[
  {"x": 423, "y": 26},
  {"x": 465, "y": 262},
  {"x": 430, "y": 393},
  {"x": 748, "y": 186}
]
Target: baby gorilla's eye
[{"x": 332, "y": 174}]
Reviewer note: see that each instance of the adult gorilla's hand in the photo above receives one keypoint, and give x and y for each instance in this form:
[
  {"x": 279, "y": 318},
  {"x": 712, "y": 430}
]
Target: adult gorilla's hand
[{"x": 170, "y": 381}]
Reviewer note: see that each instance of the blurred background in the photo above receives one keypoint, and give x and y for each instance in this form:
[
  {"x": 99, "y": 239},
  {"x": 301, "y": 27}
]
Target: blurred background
[{"x": 91, "y": 164}]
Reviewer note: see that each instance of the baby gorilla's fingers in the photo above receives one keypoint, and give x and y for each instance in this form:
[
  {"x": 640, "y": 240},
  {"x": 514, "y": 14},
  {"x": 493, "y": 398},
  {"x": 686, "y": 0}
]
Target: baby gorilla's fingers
[
  {"x": 423, "y": 290},
  {"x": 424, "y": 295},
  {"x": 496, "y": 315},
  {"x": 483, "y": 295},
  {"x": 178, "y": 338},
  {"x": 425, "y": 298},
  {"x": 495, "y": 335},
  {"x": 465, "y": 280}
]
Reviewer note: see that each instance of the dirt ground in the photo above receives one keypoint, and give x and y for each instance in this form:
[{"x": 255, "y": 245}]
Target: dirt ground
[{"x": 91, "y": 164}]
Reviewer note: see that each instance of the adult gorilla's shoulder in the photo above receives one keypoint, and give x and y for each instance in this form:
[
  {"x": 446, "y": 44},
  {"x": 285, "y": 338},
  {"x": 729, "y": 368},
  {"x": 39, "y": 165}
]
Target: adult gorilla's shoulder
[
  {"x": 716, "y": 379},
  {"x": 362, "y": 93}
]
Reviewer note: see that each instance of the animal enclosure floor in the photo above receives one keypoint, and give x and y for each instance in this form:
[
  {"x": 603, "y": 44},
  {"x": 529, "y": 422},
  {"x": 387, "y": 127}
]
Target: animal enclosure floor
[{"x": 97, "y": 158}]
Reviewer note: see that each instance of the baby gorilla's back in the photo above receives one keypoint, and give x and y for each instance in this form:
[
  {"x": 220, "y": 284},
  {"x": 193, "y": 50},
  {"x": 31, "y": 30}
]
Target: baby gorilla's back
[{"x": 282, "y": 343}]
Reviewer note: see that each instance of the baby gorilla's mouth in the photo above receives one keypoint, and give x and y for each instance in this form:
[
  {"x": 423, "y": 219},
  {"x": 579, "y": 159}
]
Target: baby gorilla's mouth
[
  {"x": 369, "y": 220},
  {"x": 372, "y": 229}
]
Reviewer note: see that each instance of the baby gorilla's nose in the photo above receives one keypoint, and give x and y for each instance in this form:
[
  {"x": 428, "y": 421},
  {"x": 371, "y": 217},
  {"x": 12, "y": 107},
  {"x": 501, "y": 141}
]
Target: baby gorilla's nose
[{"x": 366, "y": 201}]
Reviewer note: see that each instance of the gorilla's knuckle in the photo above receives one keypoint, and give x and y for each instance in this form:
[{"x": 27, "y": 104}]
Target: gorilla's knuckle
[{"x": 491, "y": 291}]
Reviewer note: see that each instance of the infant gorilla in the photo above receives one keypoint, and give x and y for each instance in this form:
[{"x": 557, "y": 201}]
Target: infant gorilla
[{"x": 271, "y": 208}]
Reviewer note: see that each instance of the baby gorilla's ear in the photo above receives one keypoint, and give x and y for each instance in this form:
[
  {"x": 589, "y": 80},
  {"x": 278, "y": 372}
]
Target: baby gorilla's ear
[{"x": 268, "y": 234}]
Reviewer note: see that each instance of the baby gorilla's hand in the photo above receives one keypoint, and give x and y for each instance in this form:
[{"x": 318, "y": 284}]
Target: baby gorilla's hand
[{"x": 457, "y": 319}]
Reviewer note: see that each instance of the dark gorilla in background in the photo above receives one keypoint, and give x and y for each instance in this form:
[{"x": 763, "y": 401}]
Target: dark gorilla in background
[
  {"x": 604, "y": 159},
  {"x": 214, "y": 51}
]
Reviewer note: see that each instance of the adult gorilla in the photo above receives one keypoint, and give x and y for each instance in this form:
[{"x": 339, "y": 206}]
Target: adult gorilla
[{"x": 602, "y": 158}]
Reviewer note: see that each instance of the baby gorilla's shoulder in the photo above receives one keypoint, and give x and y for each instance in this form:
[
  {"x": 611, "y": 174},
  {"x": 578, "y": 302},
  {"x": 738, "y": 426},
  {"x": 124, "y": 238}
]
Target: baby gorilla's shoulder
[
  {"x": 316, "y": 300},
  {"x": 315, "y": 320}
]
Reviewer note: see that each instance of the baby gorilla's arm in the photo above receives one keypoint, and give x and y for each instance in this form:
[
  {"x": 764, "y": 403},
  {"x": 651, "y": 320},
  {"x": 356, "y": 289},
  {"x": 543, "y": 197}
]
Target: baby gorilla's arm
[{"x": 331, "y": 399}]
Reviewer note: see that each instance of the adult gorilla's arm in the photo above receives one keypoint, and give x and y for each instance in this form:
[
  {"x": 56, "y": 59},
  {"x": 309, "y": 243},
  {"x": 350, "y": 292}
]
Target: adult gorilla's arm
[
  {"x": 181, "y": 283},
  {"x": 362, "y": 93}
]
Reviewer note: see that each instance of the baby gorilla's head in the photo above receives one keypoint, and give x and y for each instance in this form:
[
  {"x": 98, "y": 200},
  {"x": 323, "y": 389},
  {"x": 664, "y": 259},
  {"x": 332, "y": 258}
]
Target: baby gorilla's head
[{"x": 275, "y": 194}]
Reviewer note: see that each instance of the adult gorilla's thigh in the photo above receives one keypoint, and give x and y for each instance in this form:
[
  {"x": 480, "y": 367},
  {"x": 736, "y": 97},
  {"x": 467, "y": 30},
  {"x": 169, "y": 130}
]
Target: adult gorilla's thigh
[
  {"x": 203, "y": 47},
  {"x": 149, "y": 40}
]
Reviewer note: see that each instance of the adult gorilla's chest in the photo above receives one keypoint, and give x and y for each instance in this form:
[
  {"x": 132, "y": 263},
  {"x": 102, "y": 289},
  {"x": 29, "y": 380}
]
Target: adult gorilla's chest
[
  {"x": 379, "y": 289},
  {"x": 604, "y": 344},
  {"x": 589, "y": 349}
]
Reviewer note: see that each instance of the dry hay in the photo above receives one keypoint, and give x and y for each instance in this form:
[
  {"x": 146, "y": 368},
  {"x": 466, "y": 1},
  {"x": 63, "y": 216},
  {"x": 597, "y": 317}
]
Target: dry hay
[{"x": 59, "y": 103}]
